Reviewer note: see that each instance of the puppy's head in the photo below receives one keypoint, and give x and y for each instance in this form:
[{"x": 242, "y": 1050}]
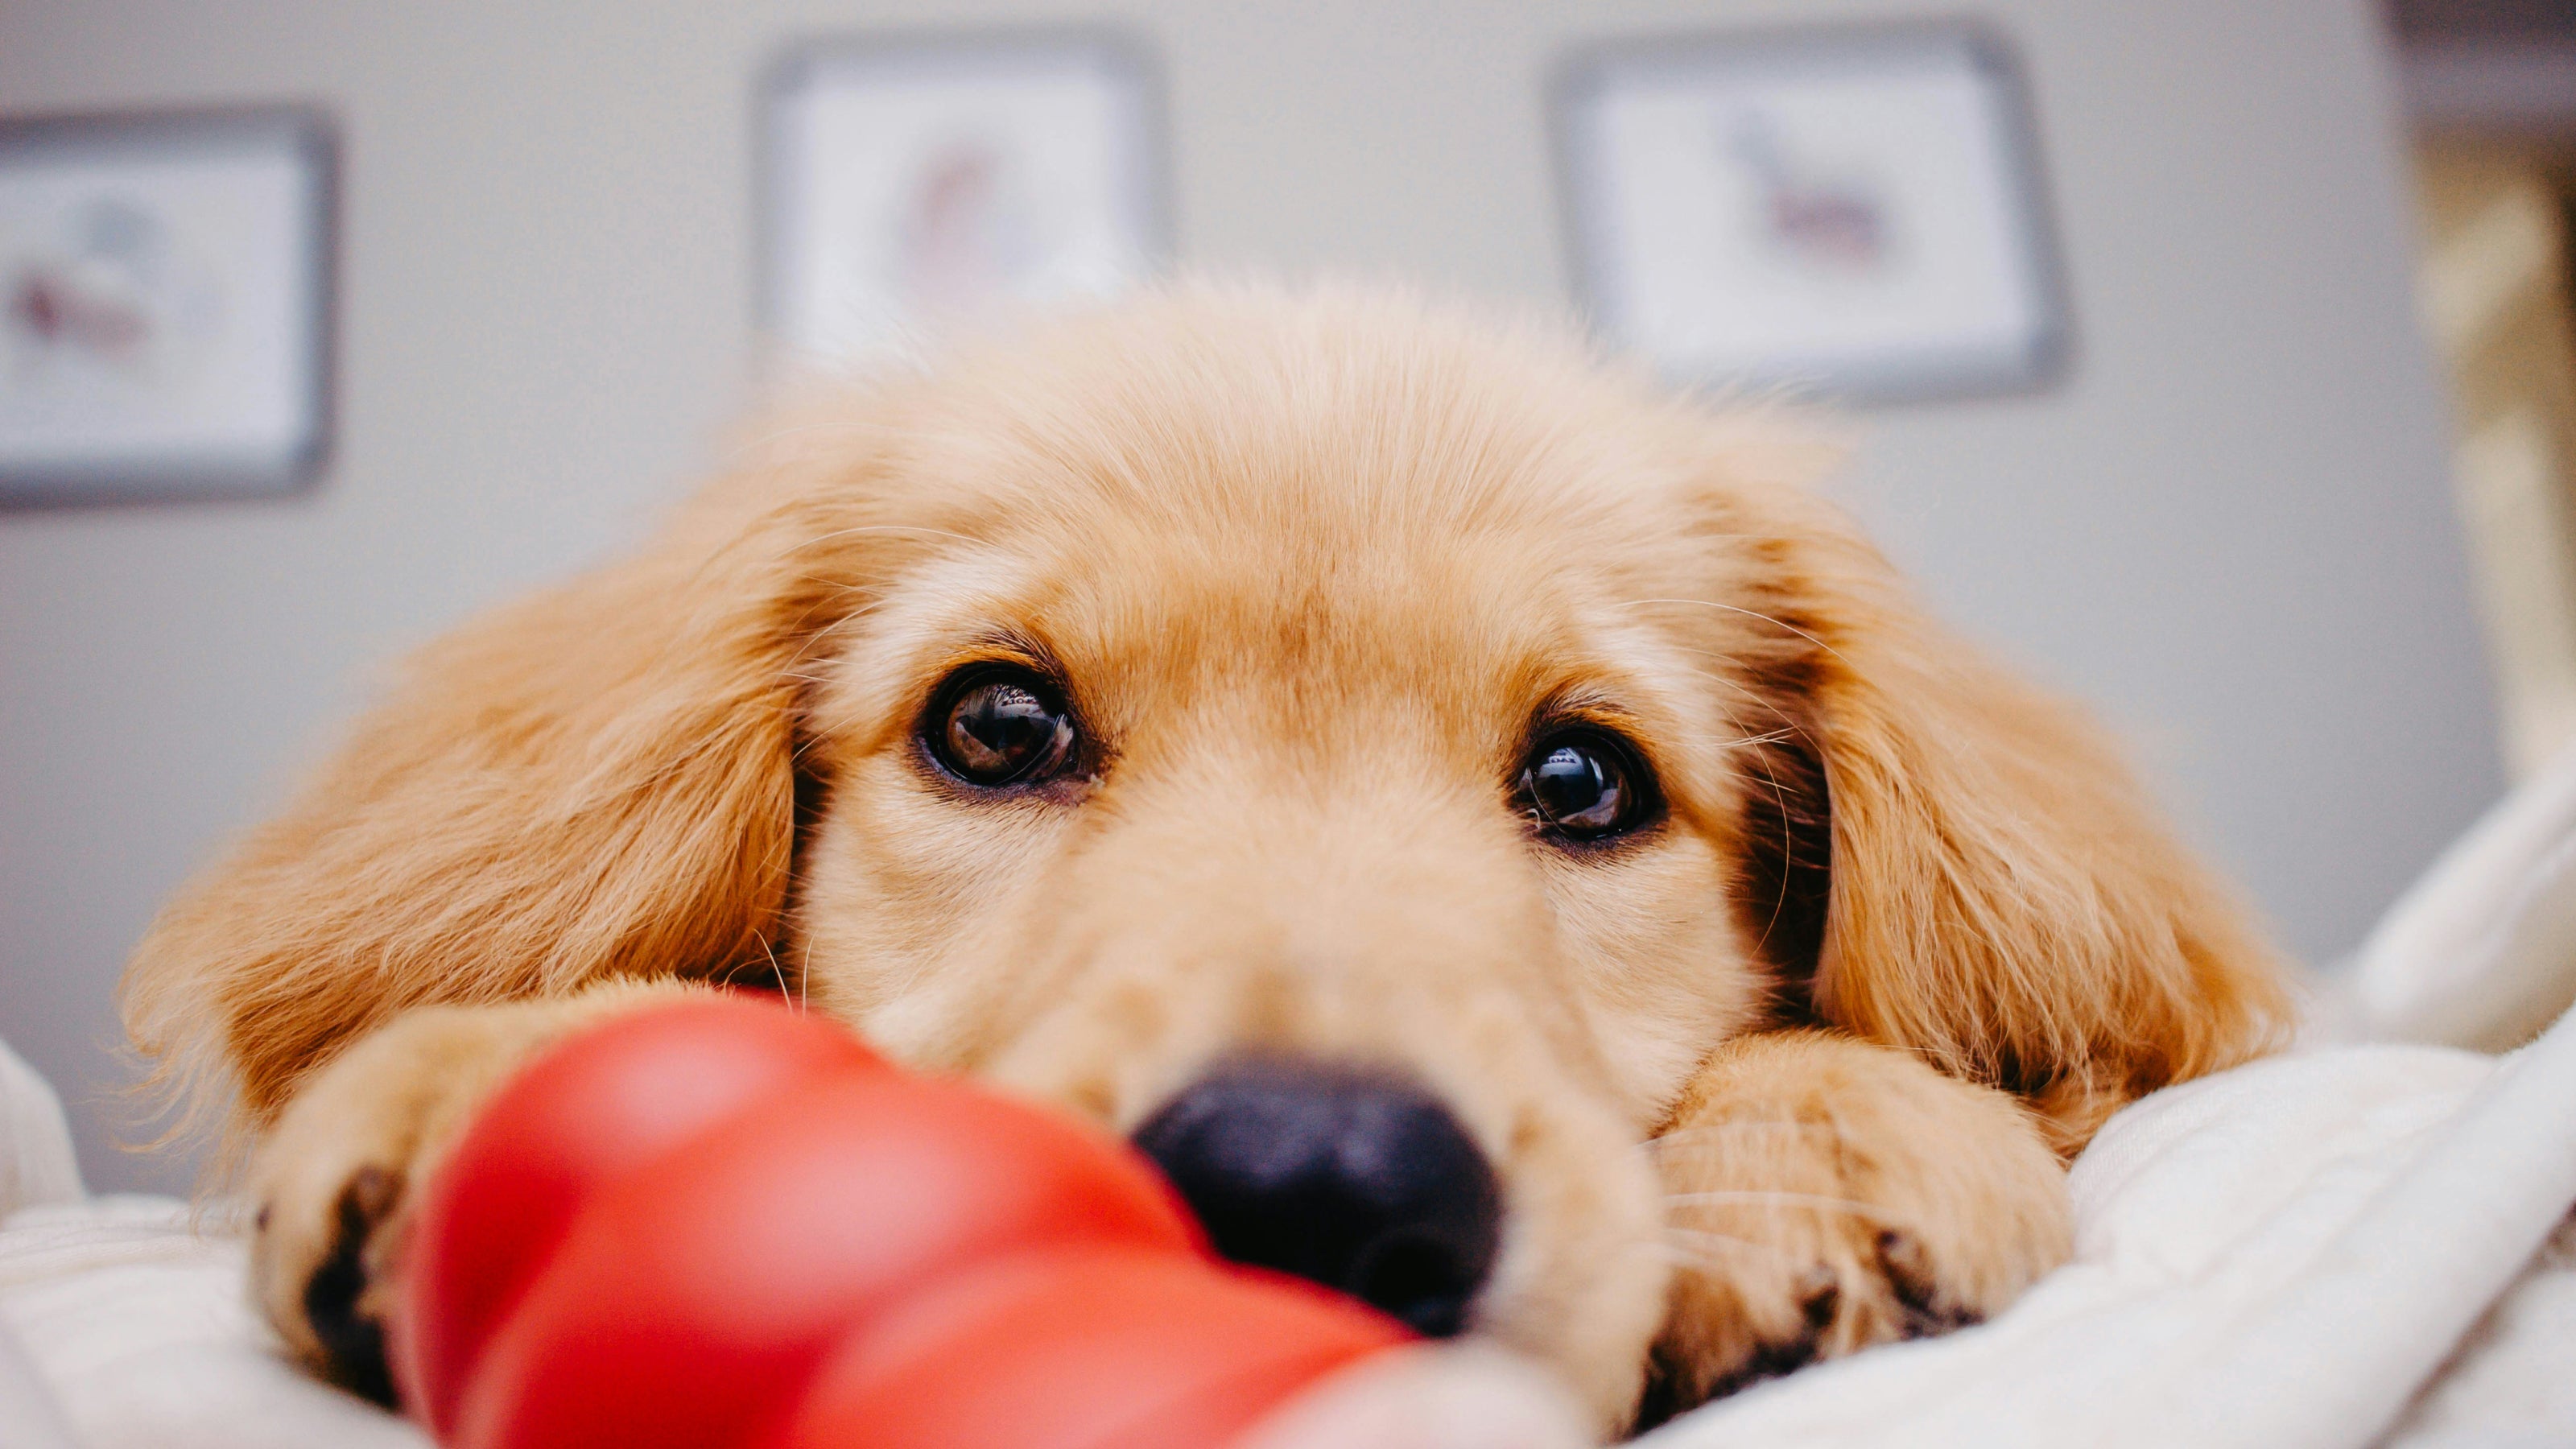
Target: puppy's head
[
  {"x": 1317, "y": 740},
  {"x": 1371, "y": 756}
]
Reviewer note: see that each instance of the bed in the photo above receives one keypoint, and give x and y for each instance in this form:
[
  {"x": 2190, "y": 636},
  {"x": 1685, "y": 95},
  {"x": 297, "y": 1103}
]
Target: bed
[{"x": 2364, "y": 1241}]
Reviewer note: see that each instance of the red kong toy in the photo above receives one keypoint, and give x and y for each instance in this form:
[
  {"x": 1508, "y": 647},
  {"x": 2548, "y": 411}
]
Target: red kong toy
[{"x": 721, "y": 1224}]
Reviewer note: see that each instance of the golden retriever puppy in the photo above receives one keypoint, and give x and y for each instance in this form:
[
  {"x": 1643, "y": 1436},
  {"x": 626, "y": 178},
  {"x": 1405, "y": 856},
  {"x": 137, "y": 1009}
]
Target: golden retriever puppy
[{"x": 1499, "y": 841}]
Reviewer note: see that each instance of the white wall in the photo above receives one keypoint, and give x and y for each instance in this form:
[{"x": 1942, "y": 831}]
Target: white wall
[{"x": 2228, "y": 528}]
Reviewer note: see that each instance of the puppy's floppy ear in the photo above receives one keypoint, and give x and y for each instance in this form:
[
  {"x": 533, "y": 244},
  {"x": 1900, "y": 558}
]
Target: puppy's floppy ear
[
  {"x": 598, "y": 782},
  {"x": 2001, "y": 895}
]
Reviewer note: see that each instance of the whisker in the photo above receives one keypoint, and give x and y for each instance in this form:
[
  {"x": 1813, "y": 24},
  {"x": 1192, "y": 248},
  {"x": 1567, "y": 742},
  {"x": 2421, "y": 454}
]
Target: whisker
[
  {"x": 1724, "y": 1196},
  {"x": 1789, "y": 728},
  {"x": 775, "y": 969},
  {"x": 814, "y": 638},
  {"x": 1748, "y": 613},
  {"x": 1693, "y": 1247}
]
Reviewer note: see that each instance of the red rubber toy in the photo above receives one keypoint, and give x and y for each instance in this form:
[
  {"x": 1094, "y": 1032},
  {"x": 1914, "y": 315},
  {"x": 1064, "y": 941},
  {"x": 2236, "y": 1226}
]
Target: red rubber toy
[{"x": 722, "y": 1225}]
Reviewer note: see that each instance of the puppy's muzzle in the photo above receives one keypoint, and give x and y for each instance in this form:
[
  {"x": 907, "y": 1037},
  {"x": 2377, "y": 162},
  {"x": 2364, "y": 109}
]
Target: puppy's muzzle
[{"x": 1356, "y": 1179}]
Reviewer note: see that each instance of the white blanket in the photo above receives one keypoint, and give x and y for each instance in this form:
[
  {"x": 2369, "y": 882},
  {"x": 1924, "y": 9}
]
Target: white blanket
[
  {"x": 2347, "y": 1246},
  {"x": 138, "y": 1325},
  {"x": 2282, "y": 1255}
]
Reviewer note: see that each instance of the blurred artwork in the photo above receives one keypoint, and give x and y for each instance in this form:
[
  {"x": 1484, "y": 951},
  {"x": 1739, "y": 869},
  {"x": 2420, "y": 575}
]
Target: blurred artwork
[
  {"x": 111, "y": 302},
  {"x": 1839, "y": 223},
  {"x": 161, "y": 305},
  {"x": 1852, "y": 212},
  {"x": 919, "y": 186}
]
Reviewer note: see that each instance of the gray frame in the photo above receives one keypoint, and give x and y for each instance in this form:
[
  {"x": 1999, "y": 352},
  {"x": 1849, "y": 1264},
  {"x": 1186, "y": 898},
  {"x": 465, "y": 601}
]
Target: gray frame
[
  {"x": 1583, "y": 74},
  {"x": 310, "y": 136},
  {"x": 798, "y": 62}
]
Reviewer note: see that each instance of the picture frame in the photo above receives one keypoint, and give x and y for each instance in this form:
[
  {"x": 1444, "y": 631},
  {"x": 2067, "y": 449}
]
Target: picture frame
[
  {"x": 167, "y": 285},
  {"x": 912, "y": 183},
  {"x": 1852, "y": 211}
]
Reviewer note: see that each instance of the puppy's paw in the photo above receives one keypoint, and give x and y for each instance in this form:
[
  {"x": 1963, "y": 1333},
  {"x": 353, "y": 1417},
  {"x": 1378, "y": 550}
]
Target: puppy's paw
[
  {"x": 335, "y": 1178},
  {"x": 1825, "y": 1195}
]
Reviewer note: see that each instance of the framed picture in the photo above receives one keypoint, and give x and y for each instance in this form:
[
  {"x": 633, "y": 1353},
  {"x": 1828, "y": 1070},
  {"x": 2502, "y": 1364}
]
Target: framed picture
[
  {"x": 1856, "y": 212},
  {"x": 913, "y": 183},
  {"x": 165, "y": 304}
]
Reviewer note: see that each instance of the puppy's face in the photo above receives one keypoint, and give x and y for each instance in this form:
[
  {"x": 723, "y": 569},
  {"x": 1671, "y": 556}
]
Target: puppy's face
[
  {"x": 1352, "y": 757},
  {"x": 1370, "y": 757}
]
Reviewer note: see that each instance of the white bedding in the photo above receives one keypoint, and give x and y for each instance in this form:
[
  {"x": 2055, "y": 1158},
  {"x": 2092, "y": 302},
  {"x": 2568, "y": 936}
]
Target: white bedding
[
  {"x": 137, "y": 1322},
  {"x": 2347, "y": 1246},
  {"x": 2281, "y": 1255}
]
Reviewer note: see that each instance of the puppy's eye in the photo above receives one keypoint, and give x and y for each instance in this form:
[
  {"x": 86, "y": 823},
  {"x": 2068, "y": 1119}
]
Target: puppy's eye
[
  {"x": 1584, "y": 786},
  {"x": 1000, "y": 726}
]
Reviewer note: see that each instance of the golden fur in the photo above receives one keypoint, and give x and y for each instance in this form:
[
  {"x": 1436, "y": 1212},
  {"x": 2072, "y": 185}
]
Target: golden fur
[{"x": 1309, "y": 565}]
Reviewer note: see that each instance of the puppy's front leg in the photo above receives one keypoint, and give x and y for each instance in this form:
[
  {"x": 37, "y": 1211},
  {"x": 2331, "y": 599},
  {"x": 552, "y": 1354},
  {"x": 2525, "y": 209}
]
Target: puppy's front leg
[
  {"x": 335, "y": 1177},
  {"x": 1825, "y": 1194}
]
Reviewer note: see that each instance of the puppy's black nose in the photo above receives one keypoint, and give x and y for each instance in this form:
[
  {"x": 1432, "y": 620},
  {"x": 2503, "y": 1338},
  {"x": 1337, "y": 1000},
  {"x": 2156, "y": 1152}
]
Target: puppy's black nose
[{"x": 1355, "y": 1179}]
